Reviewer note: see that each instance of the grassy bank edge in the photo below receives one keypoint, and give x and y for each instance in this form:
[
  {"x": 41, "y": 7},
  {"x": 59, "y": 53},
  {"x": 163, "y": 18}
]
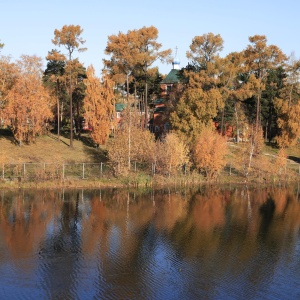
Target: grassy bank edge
[{"x": 151, "y": 182}]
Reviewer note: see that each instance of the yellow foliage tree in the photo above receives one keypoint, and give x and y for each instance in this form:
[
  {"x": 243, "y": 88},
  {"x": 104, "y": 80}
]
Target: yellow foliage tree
[
  {"x": 197, "y": 106},
  {"x": 209, "y": 153},
  {"x": 280, "y": 161},
  {"x": 202, "y": 98},
  {"x": 288, "y": 122},
  {"x": 99, "y": 106},
  {"x": 140, "y": 149},
  {"x": 171, "y": 154}
]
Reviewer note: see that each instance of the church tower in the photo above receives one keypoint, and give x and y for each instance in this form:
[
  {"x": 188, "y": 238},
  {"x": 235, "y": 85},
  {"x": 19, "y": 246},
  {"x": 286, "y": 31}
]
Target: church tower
[{"x": 176, "y": 62}]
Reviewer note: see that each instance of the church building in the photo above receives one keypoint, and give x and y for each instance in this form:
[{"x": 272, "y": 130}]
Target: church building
[{"x": 160, "y": 119}]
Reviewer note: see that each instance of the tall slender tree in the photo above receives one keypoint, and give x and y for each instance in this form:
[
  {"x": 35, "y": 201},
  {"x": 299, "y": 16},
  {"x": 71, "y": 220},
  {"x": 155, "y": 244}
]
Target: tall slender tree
[
  {"x": 54, "y": 79},
  {"x": 260, "y": 58},
  {"x": 148, "y": 54},
  {"x": 70, "y": 37},
  {"x": 99, "y": 105}
]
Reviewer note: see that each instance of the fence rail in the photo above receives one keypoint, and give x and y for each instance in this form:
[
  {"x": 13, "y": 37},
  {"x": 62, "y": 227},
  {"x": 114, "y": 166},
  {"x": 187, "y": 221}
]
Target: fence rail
[
  {"x": 55, "y": 170},
  {"x": 40, "y": 171}
]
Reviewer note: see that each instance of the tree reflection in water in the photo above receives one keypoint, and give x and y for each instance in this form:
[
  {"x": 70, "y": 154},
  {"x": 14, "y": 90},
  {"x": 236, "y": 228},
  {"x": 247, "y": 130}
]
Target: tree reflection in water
[{"x": 209, "y": 243}]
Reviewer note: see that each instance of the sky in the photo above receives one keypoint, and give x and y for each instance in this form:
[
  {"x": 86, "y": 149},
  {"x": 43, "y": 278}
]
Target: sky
[{"x": 27, "y": 26}]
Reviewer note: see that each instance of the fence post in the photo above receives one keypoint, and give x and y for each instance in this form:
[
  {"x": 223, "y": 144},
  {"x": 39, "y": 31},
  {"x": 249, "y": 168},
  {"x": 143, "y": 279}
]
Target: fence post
[
  {"x": 285, "y": 169},
  {"x": 3, "y": 170},
  {"x": 82, "y": 170},
  {"x": 24, "y": 170},
  {"x": 63, "y": 171},
  {"x": 101, "y": 169},
  {"x": 135, "y": 166}
]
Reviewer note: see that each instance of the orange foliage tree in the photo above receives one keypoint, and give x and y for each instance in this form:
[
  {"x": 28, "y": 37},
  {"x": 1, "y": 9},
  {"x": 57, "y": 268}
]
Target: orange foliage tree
[
  {"x": 135, "y": 51},
  {"x": 8, "y": 76},
  {"x": 209, "y": 153},
  {"x": 99, "y": 105},
  {"x": 28, "y": 106}
]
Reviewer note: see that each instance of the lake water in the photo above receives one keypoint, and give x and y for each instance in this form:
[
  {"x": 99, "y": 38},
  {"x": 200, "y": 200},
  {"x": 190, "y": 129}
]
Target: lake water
[{"x": 209, "y": 243}]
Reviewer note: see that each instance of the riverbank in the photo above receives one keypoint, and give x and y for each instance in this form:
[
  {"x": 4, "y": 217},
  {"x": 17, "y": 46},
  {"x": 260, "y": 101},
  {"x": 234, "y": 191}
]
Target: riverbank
[
  {"x": 155, "y": 182},
  {"x": 51, "y": 163}
]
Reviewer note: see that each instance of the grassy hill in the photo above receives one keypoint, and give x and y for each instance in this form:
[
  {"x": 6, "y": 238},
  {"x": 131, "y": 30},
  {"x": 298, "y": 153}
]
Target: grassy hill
[{"x": 48, "y": 149}]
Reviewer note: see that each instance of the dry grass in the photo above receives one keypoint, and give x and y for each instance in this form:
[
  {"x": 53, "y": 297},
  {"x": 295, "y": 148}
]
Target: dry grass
[{"x": 48, "y": 149}]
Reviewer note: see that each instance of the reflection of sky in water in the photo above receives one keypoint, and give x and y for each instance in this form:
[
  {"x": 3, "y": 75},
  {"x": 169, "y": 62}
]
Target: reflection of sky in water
[{"x": 122, "y": 246}]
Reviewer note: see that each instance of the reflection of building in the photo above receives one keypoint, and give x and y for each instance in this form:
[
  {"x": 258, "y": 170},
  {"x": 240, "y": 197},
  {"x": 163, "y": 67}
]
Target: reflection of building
[{"x": 160, "y": 122}]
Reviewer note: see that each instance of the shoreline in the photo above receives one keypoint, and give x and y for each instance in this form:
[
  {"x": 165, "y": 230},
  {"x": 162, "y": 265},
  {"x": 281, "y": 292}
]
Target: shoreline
[{"x": 155, "y": 183}]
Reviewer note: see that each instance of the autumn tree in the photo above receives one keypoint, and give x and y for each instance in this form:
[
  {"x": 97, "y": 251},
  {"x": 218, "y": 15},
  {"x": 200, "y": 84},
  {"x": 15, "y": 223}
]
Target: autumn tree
[
  {"x": 209, "y": 152},
  {"x": 149, "y": 53},
  {"x": 171, "y": 154},
  {"x": 235, "y": 88},
  {"x": 70, "y": 37},
  {"x": 204, "y": 50},
  {"x": 260, "y": 58},
  {"x": 137, "y": 85},
  {"x": 123, "y": 54},
  {"x": 123, "y": 57},
  {"x": 280, "y": 161},
  {"x": 54, "y": 79},
  {"x": 288, "y": 122},
  {"x": 29, "y": 103},
  {"x": 8, "y": 76},
  {"x": 202, "y": 98},
  {"x": 78, "y": 74},
  {"x": 135, "y": 50},
  {"x": 252, "y": 147},
  {"x": 287, "y": 106},
  {"x": 142, "y": 148},
  {"x": 99, "y": 105},
  {"x": 275, "y": 84}
]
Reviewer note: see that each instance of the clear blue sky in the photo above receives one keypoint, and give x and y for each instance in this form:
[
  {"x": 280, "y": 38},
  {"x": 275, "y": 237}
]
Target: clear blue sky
[{"x": 27, "y": 27}]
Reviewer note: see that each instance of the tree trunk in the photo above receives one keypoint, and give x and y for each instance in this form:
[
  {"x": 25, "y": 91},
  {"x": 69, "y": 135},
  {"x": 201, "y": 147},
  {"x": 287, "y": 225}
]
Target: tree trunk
[
  {"x": 58, "y": 112},
  {"x": 71, "y": 113},
  {"x": 146, "y": 105},
  {"x": 257, "y": 113},
  {"x": 129, "y": 125},
  {"x": 222, "y": 121},
  {"x": 237, "y": 124}
]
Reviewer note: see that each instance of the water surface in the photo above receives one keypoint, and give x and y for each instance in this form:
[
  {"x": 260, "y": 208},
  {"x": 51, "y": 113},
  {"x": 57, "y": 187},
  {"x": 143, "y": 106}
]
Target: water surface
[{"x": 209, "y": 243}]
